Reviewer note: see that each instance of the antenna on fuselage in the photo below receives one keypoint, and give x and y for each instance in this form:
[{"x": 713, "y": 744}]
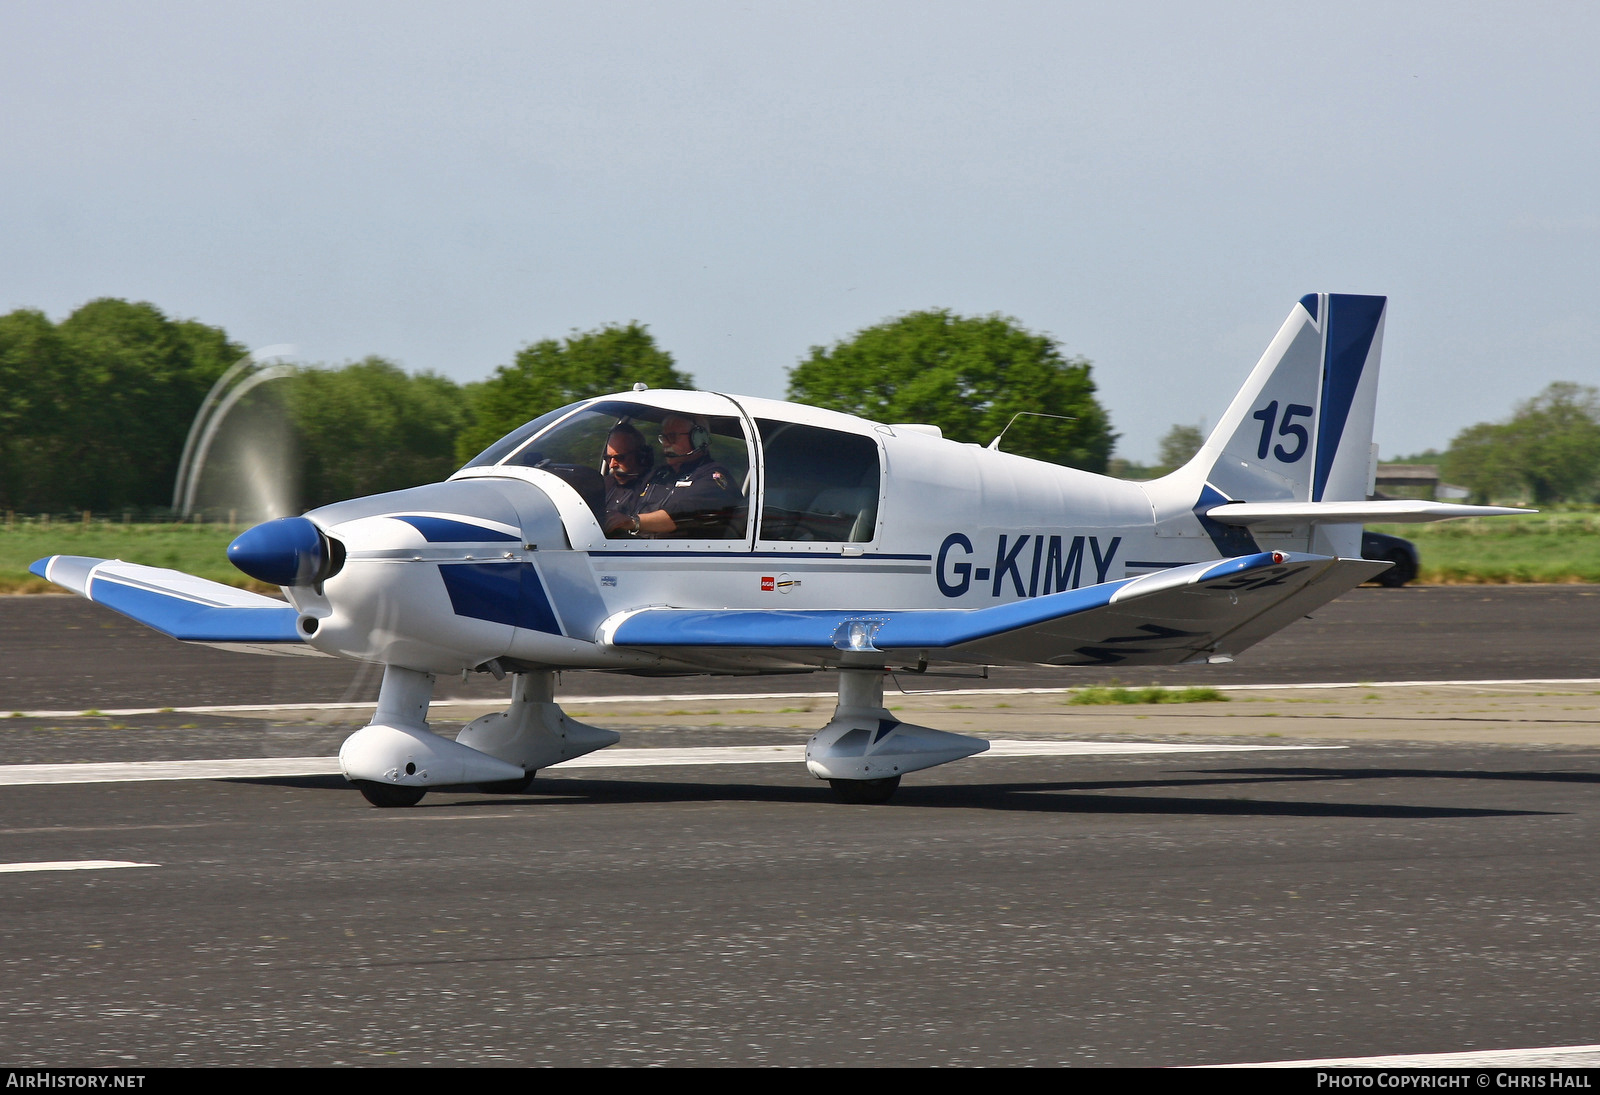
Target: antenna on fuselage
[{"x": 995, "y": 444}]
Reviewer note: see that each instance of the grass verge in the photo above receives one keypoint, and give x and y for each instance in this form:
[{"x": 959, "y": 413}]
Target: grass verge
[
  {"x": 1154, "y": 694},
  {"x": 201, "y": 550},
  {"x": 1560, "y": 546}
]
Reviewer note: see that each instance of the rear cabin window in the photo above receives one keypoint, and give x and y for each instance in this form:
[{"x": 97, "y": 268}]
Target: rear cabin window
[{"x": 820, "y": 484}]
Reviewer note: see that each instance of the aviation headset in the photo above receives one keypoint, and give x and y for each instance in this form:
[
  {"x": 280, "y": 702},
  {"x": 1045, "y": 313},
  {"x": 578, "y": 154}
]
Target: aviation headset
[
  {"x": 699, "y": 434},
  {"x": 647, "y": 455}
]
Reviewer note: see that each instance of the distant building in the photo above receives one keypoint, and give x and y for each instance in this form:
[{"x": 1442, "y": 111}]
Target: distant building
[{"x": 1415, "y": 481}]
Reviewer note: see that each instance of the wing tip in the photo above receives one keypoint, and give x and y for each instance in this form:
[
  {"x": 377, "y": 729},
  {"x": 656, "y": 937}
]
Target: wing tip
[{"x": 67, "y": 571}]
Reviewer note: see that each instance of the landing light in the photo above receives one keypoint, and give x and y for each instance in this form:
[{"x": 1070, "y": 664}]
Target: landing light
[{"x": 856, "y": 635}]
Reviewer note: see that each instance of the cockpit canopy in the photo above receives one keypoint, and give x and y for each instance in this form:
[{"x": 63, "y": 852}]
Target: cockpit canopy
[{"x": 808, "y": 483}]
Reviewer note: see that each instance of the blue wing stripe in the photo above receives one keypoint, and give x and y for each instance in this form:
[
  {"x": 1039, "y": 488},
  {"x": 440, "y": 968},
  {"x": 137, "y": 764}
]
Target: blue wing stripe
[
  {"x": 1238, "y": 566},
  {"x": 903, "y": 630},
  {"x": 194, "y": 622}
]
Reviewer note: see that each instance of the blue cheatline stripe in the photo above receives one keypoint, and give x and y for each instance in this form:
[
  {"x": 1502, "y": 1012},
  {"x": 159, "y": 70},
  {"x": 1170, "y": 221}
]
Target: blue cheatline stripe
[
  {"x": 502, "y": 593},
  {"x": 1229, "y": 539},
  {"x": 194, "y": 622},
  {"x": 441, "y": 530},
  {"x": 751, "y": 555},
  {"x": 1352, "y": 324},
  {"x": 1309, "y": 303}
]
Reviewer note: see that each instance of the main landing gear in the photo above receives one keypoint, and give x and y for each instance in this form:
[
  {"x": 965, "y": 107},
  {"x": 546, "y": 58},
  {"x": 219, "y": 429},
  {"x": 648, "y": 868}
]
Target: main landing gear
[
  {"x": 864, "y": 750},
  {"x": 394, "y": 761}
]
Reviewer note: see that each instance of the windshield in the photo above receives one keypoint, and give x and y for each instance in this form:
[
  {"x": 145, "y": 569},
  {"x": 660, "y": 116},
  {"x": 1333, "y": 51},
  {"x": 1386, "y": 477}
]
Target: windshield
[{"x": 513, "y": 440}]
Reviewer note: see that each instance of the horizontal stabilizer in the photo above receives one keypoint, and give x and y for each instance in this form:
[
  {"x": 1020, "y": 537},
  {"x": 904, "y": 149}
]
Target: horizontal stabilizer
[
  {"x": 180, "y": 605},
  {"x": 1186, "y": 613},
  {"x": 1388, "y": 511}
]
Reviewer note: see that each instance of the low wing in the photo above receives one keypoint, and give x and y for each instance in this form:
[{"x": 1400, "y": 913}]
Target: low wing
[
  {"x": 1388, "y": 511},
  {"x": 180, "y": 605},
  {"x": 1189, "y": 613}
]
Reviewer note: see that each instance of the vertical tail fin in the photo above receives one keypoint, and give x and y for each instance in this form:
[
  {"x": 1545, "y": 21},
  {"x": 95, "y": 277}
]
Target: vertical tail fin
[{"x": 1301, "y": 427}]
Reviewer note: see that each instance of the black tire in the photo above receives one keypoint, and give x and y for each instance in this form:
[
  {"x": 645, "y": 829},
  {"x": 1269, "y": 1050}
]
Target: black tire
[
  {"x": 508, "y": 786},
  {"x": 865, "y": 792},
  {"x": 1403, "y": 571},
  {"x": 386, "y": 795}
]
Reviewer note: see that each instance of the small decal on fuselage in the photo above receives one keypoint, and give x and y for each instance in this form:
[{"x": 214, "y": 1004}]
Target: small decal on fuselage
[{"x": 1025, "y": 564}]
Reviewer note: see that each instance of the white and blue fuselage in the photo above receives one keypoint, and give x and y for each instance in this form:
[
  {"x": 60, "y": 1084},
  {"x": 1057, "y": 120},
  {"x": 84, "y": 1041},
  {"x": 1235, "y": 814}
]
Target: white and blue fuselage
[{"x": 508, "y": 562}]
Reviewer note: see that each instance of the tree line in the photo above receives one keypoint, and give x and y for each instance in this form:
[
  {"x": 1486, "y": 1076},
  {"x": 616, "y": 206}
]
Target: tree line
[
  {"x": 1548, "y": 451},
  {"x": 95, "y": 409}
]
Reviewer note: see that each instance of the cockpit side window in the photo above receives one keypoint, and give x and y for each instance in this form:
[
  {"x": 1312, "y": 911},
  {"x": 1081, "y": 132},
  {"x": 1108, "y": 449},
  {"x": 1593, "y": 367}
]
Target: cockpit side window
[
  {"x": 820, "y": 484},
  {"x": 698, "y": 476}
]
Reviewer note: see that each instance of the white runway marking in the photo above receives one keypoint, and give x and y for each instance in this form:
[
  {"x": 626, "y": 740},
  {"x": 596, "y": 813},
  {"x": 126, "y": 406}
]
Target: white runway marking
[
  {"x": 14, "y": 775},
  {"x": 1003, "y": 748},
  {"x": 1548, "y": 1057},
  {"x": 70, "y": 865},
  {"x": 721, "y": 697}
]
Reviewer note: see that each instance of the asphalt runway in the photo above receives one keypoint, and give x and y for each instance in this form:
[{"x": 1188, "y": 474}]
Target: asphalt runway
[
  {"x": 1377, "y": 897},
  {"x": 63, "y": 653},
  {"x": 1156, "y": 911}
]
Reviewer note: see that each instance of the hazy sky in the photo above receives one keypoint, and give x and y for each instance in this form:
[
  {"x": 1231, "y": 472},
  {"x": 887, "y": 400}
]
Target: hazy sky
[{"x": 1152, "y": 184}]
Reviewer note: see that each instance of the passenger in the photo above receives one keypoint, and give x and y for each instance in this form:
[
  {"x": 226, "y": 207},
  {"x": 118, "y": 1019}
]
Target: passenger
[
  {"x": 628, "y": 461},
  {"x": 692, "y": 495}
]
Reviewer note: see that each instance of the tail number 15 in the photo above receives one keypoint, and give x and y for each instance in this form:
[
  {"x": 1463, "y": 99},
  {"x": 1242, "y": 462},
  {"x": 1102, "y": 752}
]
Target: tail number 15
[{"x": 1287, "y": 428}]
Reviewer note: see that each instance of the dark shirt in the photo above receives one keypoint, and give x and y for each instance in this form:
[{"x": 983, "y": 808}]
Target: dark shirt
[
  {"x": 623, "y": 497},
  {"x": 699, "y": 495}
]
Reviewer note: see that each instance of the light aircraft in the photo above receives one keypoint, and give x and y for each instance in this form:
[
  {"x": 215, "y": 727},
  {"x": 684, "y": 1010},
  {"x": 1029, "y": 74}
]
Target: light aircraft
[{"x": 819, "y": 541}]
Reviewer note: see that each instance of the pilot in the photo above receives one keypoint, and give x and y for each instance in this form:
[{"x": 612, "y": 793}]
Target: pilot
[
  {"x": 628, "y": 460},
  {"x": 692, "y": 495}
]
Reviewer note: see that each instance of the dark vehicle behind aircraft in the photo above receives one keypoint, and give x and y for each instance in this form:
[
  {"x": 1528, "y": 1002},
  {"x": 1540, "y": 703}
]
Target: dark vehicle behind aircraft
[{"x": 1383, "y": 548}]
